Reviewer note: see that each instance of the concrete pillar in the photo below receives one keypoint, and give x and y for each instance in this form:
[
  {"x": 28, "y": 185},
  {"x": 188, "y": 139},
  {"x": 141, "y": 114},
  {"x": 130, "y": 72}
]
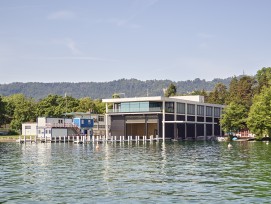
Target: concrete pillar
[
  {"x": 106, "y": 122},
  {"x": 163, "y": 120}
]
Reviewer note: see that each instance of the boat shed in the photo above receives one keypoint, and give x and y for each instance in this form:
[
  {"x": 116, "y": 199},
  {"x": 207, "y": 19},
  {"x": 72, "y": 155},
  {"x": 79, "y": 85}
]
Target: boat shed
[{"x": 178, "y": 117}]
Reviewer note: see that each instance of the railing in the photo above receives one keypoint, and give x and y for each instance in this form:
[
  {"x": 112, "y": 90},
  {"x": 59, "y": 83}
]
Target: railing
[
  {"x": 133, "y": 110},
  {"x": 60, "y": 125}
]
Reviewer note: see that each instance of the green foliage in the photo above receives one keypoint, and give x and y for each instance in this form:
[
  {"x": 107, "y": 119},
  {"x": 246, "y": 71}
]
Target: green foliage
[
  {"x": 234, "y": 117},
  {"x": 260, "y": 114},
  {"x": 171, "y": 90},
  {"x": 20, "y": 109},
  {"x": 2, "y": 111},
  {"x": 242, "y": 90},
  {"x": 218, "y": 95},
  {"x": 100, "y": 90},
  {"x": 56, "y": 106},
  {"x": 263, "y": 78},
  {"x": 115, "y": 95}
]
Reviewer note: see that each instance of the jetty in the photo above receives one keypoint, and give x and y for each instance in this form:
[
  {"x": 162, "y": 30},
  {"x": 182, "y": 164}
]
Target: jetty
[{"x": 83, "y": 139}]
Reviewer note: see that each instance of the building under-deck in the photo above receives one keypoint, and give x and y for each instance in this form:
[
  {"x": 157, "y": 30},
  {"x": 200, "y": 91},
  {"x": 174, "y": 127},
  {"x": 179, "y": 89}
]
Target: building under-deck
[{"x": 179, "y": 117}]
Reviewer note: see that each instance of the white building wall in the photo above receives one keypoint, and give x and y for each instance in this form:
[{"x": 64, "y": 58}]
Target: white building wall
[
  {"x": 56, "y": 132},
  {"x": 196, "y": 98},
  {"x": 41, "y": 121},
  {"x": 29, "y": 129}
]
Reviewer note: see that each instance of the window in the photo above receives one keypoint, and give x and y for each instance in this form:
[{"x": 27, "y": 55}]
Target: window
[
  {"x": 27, "y": 127},
  {"x": 200, "y": 110},
  {"x": 181, "y": 108},
  {"x": 190, "y": 109},
  {"x": 169, "y": 107},
  {"x": 49, "y": 131},
  {"x": 209, "y": 111},
  {"x": 46, "y": 131},
  {"x": 60, "y": 121},
  {"x": 217, "y": 112},
  {"x": 82, "y": 122},
  {"x": 101, "y": 118}
]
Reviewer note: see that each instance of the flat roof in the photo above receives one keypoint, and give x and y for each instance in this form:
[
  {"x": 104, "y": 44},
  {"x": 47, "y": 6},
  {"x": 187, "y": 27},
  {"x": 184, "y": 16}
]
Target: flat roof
[{"x": 157, "y": 99}]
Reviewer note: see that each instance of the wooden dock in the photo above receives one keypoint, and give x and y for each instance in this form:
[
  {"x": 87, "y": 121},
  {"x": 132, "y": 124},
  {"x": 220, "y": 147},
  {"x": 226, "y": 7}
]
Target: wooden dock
[{"x": 83, "y": 139}]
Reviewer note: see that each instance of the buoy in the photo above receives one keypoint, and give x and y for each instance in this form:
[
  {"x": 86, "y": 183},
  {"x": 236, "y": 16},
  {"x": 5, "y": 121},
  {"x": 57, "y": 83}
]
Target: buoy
[
  {"x": 229, "y": 145},
  {"x": 97, "y": 147}
]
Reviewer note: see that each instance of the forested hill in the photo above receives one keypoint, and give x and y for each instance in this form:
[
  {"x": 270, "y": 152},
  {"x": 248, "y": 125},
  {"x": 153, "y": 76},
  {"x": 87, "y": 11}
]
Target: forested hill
[{"x": 99, "y": 90}]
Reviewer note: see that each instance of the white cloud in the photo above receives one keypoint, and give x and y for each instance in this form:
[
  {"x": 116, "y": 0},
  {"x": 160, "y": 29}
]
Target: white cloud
[
  {"x": 61, "y": 15},
  {"x": 72, "y": 46}
]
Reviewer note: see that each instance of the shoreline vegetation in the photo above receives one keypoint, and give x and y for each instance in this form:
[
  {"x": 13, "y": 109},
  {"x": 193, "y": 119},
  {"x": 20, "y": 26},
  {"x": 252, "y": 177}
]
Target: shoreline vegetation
[{"x": 246, "y": 99}]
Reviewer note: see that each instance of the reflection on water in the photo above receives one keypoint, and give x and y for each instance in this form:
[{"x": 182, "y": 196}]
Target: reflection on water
[{"x": 136, "y": 172}]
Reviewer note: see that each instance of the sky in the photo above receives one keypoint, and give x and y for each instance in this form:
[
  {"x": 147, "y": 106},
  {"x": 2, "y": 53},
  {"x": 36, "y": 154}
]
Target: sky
[{"x": 106, "y": 40}]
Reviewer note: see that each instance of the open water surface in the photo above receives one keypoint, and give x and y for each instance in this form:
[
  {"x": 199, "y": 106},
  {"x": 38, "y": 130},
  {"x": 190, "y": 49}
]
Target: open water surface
[{"x": 171, "y": 172}]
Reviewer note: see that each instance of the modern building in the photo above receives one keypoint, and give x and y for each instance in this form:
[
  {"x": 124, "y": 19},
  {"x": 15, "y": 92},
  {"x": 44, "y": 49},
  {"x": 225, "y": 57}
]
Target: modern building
[{"x": 179, "y": 117}]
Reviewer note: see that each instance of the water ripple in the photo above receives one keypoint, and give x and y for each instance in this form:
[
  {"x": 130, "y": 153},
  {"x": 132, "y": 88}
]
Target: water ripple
[{"x": 179, "y": 172}]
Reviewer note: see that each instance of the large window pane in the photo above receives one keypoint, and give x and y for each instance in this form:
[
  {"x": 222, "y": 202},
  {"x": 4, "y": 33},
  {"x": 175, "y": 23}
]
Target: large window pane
[{"x": 190, "y": 109}]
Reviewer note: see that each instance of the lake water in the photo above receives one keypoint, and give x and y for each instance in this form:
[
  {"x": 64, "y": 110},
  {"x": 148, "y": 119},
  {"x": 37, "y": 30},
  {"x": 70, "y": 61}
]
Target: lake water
[{"x": 171, "y": 172}]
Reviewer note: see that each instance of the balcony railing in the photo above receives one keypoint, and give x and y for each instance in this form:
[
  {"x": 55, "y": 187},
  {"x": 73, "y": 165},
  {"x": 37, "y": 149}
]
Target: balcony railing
[
  {"x": 60, "y": 125},
  {"x": 135, "y": 110}
]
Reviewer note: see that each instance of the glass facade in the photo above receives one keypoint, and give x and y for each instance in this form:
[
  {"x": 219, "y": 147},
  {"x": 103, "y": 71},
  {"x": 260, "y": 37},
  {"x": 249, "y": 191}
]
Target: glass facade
[
  {"x": 169, "y": 107},
  {"x": 200, "y": 110},
  {"x": 181, "y": 108},
  {"x": 217, "y": 112},
  {"x": 209, "y": 111},
  {"x": 134, "y": 107},
  {"x": 190, "y": 109}
]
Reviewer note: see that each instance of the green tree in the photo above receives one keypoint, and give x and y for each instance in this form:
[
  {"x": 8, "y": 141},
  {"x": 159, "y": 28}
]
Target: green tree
[
  {"x": 115, "y": 95},
  {"x": 56, "y": 106},
  {"x": 259, "y": 116},
  {"x": 20, "y": 109},
  {"x": 263, "y": 78},
  {"x": 219, "y": 95},
  {"x": 2, "y": 112},
  {"x": 171, "y": 90},
  {"x": 99, "y": 106},
  {"x": 234, "y": 117},
  {"x": 241, "y": 91},
  {"x": 85, "y": 104}
]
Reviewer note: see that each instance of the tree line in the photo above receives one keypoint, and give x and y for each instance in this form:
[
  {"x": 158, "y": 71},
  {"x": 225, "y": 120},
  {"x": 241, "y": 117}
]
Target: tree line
[
  {"x": 17, "y": 109},
  {"x": 99, "y": 90},
  {"x": 247, "y": 100}
]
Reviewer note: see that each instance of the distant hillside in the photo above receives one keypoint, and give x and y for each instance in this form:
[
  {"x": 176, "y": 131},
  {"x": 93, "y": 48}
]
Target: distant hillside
[{"x": 99, "y": 90}]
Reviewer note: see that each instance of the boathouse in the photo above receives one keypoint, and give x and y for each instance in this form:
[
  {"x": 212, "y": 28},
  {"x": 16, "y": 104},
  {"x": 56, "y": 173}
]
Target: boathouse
[
  {"x": 178, "y": 117},
  {"x": 53, "y": 127}
]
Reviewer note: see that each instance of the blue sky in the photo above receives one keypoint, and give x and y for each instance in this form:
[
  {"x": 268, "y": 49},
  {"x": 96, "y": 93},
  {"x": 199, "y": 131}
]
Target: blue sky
[{"x": 105, "y": 40}]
